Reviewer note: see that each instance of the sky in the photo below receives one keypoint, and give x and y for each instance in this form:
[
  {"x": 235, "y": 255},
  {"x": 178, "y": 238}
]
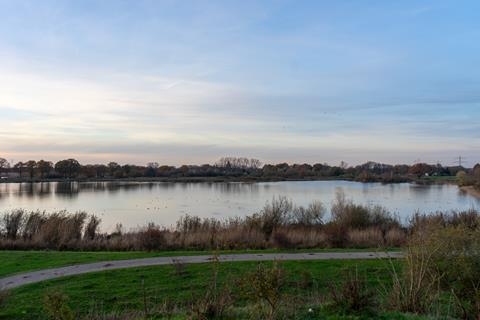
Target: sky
[{"x": 187, "y": 82}]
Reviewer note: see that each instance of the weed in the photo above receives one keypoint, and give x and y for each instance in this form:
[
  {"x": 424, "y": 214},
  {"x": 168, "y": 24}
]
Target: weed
[
  {"x": 56, "y": 307},
  {"x": 265, "y": 284},
  {"x": 353, "y": 295}
]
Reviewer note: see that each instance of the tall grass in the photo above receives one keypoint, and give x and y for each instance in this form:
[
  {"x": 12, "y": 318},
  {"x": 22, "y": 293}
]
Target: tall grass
[
  {"x": 280, "y": 224},
  {"x": 39, "y": 230}
]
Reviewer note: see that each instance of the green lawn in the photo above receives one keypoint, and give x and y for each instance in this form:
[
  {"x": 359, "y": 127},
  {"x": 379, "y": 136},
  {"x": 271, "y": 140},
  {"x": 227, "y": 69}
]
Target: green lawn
[
  {"x": 22, "y": 261},
  {"x": 120, "y": 290},
  {"x": 439, "y": 179}
]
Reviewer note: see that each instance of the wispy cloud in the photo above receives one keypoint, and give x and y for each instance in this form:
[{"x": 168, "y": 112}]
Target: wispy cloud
[{"x": 279, "y": 80}]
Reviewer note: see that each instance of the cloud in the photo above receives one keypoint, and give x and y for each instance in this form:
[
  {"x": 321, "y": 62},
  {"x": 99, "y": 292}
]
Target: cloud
[
  {"x": 145, "y": 117},
  {"x": 187, "y": 81}
]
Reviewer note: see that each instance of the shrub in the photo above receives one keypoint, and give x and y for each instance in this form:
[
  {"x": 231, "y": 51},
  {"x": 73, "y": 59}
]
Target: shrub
[
  {"x": 457, "y": 264},
  {"x": 353, "y": 295},
  {"x": 3, "y": 297},
  {"x": 281, "y": 240},
  {"x": 310, "y": 216},
  {"x": 56, "y": 307},
  {"x": 151, "y": 237},
  {"x": 415, "y": 287},
  {"x": 353, "y": 216},
  {"x": 442, "y": 256},
  {"x": 265, "y": 285},
  {"x": 336, "y": 235},
  {"x": 275, "y": 214},
  {"x": 216, "y": 299}
]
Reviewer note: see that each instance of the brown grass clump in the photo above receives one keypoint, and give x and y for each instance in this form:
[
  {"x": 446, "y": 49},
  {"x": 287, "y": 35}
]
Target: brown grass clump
[
  {"x": 367, "y": 238},
  {"x": 395, "y": 237}
]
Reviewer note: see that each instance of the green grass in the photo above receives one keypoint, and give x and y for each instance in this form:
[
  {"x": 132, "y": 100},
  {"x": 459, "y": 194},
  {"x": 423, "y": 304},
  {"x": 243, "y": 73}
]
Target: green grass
[
  {"x": 438, "y": 179},
  {"x": 22, "y": 261},
  {"x": 120, "y": 290}
]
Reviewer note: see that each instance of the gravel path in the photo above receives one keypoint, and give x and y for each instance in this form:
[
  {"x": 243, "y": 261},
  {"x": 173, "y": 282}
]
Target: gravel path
[{"x": 47, "y": 274}]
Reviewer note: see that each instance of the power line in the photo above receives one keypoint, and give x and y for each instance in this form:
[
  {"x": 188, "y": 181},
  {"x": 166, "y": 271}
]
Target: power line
[{"x": 459, "y": 160}]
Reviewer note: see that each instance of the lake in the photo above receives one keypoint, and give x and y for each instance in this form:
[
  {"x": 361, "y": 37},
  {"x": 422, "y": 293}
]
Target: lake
[{"x": 136, "y": 203}]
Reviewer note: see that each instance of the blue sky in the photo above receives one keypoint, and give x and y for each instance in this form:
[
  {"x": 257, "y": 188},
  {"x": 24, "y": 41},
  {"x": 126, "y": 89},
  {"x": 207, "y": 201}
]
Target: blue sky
[{"x": 190, "y": 81}]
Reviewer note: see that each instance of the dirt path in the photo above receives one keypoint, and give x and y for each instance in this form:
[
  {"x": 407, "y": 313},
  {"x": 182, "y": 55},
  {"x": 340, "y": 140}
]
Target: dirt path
[{"x": 47, "y": 274}]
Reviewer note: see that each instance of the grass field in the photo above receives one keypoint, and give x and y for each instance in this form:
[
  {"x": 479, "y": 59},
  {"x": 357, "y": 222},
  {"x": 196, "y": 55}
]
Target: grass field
[
  {"x": 22, "y": 261},
  {"x": 166, "y": 291}
]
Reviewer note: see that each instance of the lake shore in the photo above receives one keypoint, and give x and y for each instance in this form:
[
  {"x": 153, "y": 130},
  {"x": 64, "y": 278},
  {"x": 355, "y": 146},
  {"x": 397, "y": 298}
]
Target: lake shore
[
  {"x": 471, "y": 191},
  {"x": 227, "y": 179}
]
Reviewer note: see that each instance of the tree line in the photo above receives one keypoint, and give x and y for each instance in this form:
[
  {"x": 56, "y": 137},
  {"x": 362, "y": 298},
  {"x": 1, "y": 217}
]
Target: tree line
[{"x": 231, "y": 167}]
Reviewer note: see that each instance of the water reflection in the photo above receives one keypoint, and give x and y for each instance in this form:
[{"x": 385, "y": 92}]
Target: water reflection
[
  {"x": 225, "y": 187},
  {"x": 67, "y": 189},
  {"x": 26, "y": 189}
]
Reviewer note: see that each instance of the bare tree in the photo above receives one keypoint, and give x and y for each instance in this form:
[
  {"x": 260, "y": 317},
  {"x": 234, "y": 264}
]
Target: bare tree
[{"x": 238, "y": 163}]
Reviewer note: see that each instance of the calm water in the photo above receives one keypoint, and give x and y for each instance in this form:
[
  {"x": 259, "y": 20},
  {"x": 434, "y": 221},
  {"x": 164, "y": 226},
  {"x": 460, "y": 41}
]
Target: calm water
[{"x": 135, "y": 204}]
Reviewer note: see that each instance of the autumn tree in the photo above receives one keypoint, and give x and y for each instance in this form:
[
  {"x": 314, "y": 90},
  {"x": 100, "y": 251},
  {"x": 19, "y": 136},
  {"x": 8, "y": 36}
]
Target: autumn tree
[
  {"x": 476, "y": 175},
  {"x": 100, "y": 170},
  {"x": 68, "y": 168},
  {"x": 421, "y": 169},
  {"x": 476, "y": 171},
  {"x": 114, "y": 169},
  {"x": 19, "y": 166},
  {"x": 30, "y": 165},
  {"x": 44, "y": 167}
]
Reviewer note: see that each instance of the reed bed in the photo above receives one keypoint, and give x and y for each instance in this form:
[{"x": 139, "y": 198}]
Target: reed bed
[{"x": 280, "y": 224}]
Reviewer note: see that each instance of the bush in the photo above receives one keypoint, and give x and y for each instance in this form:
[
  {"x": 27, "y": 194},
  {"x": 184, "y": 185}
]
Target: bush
[
  {"x": 457, "y": 264},
  {"x": 56, "y": 307},
  {"x": 353, "y": 216},
  {"x": 265, "y": 285},
  {"x": 353, "y": 295},
  {"x": 3, "y": 297},
  {"x": 281, "y": 240},
  {"x": 275, "y": 214},
  {"x": 152, "y": 237},
  {"x": 415, "y": 287},
  {"x": 442, "y": 258},
  {"x": 216, "y": 299},
  {"x": 310, "y": 216}
]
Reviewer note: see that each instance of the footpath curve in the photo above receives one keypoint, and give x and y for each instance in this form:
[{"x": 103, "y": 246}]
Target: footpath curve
[{"x": 18, "y": 280}]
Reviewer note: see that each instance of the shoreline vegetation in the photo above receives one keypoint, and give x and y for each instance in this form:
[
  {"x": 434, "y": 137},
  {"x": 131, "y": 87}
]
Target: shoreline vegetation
[
  {"x": 471, "y": 190},
  {"x": 422, "y": 180},
  {"x": 230, "y": 169},
  {"x": 280, "y": 224}
]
